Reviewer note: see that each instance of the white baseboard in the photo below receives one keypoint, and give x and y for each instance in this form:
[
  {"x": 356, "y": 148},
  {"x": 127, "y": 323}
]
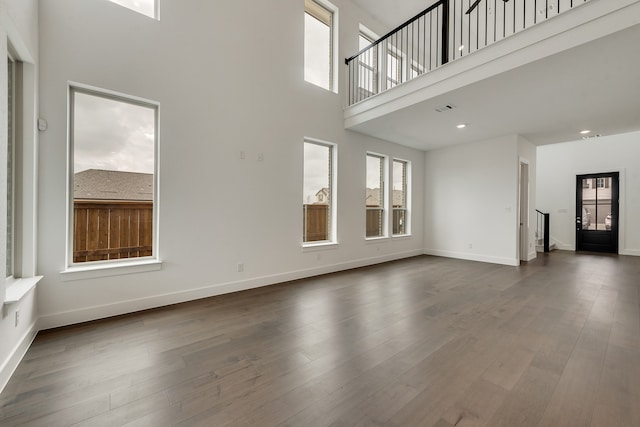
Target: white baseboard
[
  {"x": 473, "y": 257},
  {"x": 99, "y": 312},
  {"x": 16, "y": 355},
  {"x": 631, "y": 252},
  {"x": 532, "y": 255}
]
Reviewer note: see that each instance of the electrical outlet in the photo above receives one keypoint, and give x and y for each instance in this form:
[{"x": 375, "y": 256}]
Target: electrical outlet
[
  {"x": 17, "y": 317},
  {"x": 260, "y": 157},
  {"x": 243, "y": 155},
  {"x": 240, "y": 267},
  {"x": 470, "y": 245}
]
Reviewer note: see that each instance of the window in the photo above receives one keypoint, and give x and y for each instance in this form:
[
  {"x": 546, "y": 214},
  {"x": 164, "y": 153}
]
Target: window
[
  {"x": 113, "y": 177},
  {"x": 319, "y": 43},
  {"x": 400, "y": 197},
  {"x": 145, "y": 7},
  {"x": 318, "y": 205},
  {"x": 367, "y": 66},
  {"x": 415, "y": 70},
  {"x": 11, "y": 125},
  {"x": 603, "y": 182},
  {"x": 394, "y": 68},
  {"x": 375, "y": 196}
]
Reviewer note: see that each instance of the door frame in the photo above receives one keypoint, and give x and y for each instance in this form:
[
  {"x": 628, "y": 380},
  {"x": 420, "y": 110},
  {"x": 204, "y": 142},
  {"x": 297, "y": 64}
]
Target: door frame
[
  {"x": 524, "y": 200},
  {"x": 615, "y": 210}
]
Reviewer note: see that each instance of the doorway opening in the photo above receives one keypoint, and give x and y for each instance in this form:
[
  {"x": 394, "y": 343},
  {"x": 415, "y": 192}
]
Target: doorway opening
[{"x": 523, "y": 214}]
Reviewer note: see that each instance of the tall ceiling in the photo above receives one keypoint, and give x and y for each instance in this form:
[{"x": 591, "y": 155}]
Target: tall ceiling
[
  {"x": 594, "y": 86},
  {"x": 393, "y": 12}
]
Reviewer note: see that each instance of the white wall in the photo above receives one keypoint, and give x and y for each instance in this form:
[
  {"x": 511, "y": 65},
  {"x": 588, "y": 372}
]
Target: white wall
[
  {"x": 19, "y": 27},
  {"x": 227, "y": 79},
  {"x": 558, "y": 166},
  {"x": 471, "y": 201}
]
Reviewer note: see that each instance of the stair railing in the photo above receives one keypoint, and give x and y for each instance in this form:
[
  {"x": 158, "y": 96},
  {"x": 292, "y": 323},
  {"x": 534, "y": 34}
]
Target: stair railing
[
  {"x": 445, "y": 31},
  {"x": 542, "y": 228}
]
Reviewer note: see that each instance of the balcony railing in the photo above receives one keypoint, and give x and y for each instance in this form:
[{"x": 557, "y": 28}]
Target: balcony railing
[{"x": 445, "y": 31}]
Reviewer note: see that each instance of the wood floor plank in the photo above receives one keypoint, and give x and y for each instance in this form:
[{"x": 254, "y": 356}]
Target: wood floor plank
[{"x": 424, "y": 341}]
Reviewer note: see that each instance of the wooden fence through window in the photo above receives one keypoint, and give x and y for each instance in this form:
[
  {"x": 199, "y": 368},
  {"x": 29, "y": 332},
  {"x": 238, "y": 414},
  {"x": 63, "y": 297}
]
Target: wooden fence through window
[
  {"x": 104, "y": 230},
  {"x": 315, "y": 222}
]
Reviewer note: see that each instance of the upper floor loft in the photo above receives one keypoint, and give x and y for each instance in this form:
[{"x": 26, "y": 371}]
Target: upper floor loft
[{"x": 468, "y": 70}]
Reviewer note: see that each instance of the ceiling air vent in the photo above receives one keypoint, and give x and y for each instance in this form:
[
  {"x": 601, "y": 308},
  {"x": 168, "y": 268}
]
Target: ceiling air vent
[{"x": 445, "y": 108}]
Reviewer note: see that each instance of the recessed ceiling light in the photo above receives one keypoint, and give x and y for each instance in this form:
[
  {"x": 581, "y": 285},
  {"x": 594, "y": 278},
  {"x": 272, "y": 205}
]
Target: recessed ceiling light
[
  {"x": 584, "y": 132},
  {"x": 461, "y": 126}
]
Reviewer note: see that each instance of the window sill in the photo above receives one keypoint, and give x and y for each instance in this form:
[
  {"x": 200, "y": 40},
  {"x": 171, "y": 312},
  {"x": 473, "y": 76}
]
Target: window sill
[
  {"x": 311, "y": 247},
  {"x": 81, "y": 272},
  {"x": 401, "y": 236},
  {"x": 377, "y": 239},
  {"x": 18, "y": 288}
]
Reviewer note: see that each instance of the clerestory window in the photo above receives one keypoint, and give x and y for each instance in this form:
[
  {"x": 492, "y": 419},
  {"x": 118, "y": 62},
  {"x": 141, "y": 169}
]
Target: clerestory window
[
  {"x": 320, "y": 43},
  {"x": 145, "y": 7}
]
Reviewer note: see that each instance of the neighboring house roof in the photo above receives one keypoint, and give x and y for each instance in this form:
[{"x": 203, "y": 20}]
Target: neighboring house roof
[
  {"x": 373, "y": 194},
  {"x": 97, "y": 184},
  {"x": 322, "y": 196}
]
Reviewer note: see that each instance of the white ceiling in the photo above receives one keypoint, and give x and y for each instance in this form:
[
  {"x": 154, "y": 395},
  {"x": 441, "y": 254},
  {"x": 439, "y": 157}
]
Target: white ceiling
[
  {"x": 594, "y": 86},
  {"x": 393, "y": 12}
]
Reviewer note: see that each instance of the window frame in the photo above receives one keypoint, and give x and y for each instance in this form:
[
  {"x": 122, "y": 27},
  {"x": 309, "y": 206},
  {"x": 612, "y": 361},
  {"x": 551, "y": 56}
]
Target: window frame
[
  {"x": 333, "y": 193},
  {"x": 384, "y": 206},
  {"x": 23, "y": 279},
  {"x": 372, "y": 67},
  {"x": 407, "y": 195},
  {"x": 10, "y": 257},
  {"x": 326, "y": 6},
  {"x": 82, "y": 270}
]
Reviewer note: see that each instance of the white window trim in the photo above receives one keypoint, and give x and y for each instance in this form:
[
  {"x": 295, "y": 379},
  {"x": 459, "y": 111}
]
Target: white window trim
[
  {"x": 335, "y": 24},
  {"x": 25, "y": 194},
  {"x": 385, "y": 194},
  {"x": 408, "y": 197},
  {"x": 333, "y": 237},
  {"x": 371, "y": 36},
  {"x": 367, "y": 33},
  {"x": 76, "y": 271},
  {"x": 11, "y": 159},
  {"x": 97, "y": 269}
]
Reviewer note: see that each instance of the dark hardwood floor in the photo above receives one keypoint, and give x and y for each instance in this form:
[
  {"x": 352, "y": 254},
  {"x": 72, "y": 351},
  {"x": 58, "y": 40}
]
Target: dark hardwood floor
[{"x": 420, "y": 342}]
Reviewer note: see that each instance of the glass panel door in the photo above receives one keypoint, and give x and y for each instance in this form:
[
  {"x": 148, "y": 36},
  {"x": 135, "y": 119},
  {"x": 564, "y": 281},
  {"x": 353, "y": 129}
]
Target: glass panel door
[{"x": 597, "y": 212}]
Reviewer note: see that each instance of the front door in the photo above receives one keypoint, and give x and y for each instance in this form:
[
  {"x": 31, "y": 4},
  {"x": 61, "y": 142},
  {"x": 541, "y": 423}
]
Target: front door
[{"x": 597, "y": 212}]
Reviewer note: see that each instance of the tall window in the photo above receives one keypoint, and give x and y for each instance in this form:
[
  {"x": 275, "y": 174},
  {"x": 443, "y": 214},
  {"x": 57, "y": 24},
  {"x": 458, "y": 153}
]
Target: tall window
[
  {"x": 400, "y": 197},
  {"x": 375, "y": 196},
  {"x": 319, "y": 43},
  {"x": 318, "y": 205},
  {"x": 11, "y": 95},
  {"x": 113, "y": 146},
  {"x": 367, "y": 66},
  {"x": 394, "y": 67},
  {"x": 145, "y": 7}
]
